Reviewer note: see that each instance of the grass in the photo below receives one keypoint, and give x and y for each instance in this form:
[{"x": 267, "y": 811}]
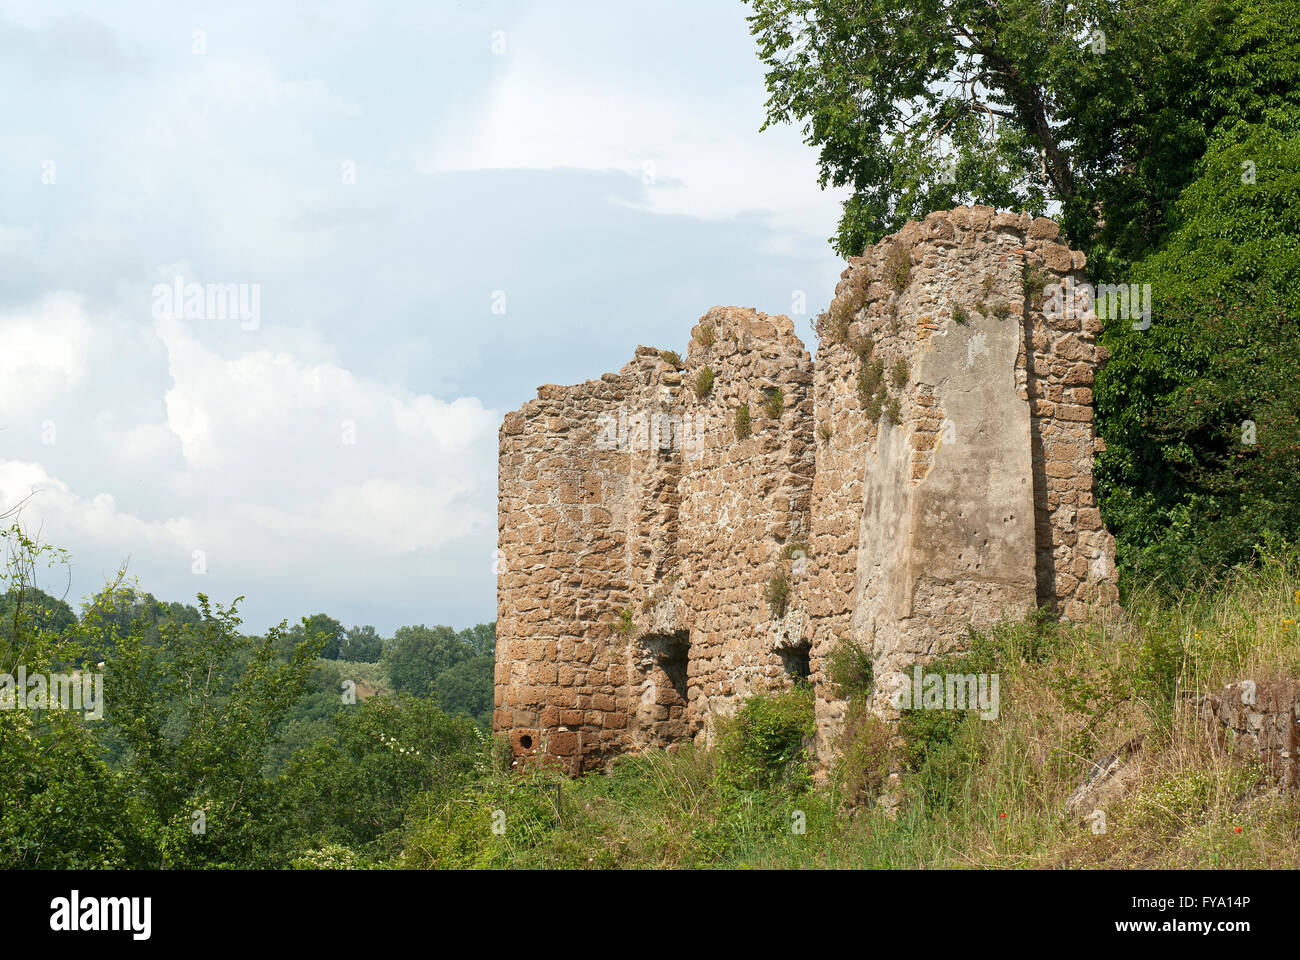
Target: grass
[
  {"x": 971, "y": 793},
  {"x": 1035, "y": 284},
  {"x": 871, "y": 387}
]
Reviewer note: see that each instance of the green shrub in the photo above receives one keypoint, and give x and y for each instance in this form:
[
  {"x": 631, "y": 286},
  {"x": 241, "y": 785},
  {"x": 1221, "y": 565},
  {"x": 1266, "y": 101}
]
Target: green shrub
[
  {"x": 862, "y": 347},
  {"x": 672, "y": 358},
  {"x": 763, "y": 746},
  {"x": 773, "y": 402},
  {"x": 777, "y": 593},
  {"x": 850, "y": 670},
  {"x": 862, "y": 763},
  {"x": 871, "y": 384},
  {"x": 833, "y": 325},
  {"x": 898, "y": 266},
  {"x": 382, "y": 754},
  {"x": 1035, "y": 282},
  {"x": 743, "y": 426},
  {"x": 706, "y": 336},
  {"x": 1183, "y": 487},
  {"x": 898, "y": 373},
  {"x": 703, "y": 383},
  {"x": 501, "y": 820}
]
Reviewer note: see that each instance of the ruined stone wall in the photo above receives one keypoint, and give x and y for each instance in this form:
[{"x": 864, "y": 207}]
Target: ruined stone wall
[
  {"x": 745, "y": 507},
  {"x": 931, "y": 471},
  {"x": 587, "y": 503},
  {"x": 1259, "y": 721},
  {"x": 962, "y": 464},
  {"x": 621, "y": 502}
]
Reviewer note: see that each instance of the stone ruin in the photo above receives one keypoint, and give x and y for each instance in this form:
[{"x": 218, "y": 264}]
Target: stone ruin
[{"x": 694, "y": 529}]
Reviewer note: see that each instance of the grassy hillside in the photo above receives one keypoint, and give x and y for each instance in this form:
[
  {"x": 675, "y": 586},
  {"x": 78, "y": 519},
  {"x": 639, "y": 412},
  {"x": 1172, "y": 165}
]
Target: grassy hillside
[{"x": 965, "y": 792}]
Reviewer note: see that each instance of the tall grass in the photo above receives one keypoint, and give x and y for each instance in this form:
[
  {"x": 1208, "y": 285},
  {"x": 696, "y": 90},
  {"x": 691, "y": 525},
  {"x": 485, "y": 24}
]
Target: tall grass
[{"x": 964, "y": 792}]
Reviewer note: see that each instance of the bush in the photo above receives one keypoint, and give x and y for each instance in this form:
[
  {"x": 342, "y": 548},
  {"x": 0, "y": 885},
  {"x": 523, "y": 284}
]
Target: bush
[
  {"x": 898, "y": 266},
  {"x": 763, "y": 746},
  {"x": 703, "y": 383},
  {"x": 898, "y": 374},
  {"x": 743, "y": 426},
  {"x": 773, "y": 402},
  {"x": 871, "y": 386},
  {"x": 777, "y": 593},
  {"x": 833, "y": 325},
  {"x": 353, "y": 787},
  {"x": 862, "y": 763},
  {"x": 850, "y": 670},
  {"x": 1199, "y": 411}
]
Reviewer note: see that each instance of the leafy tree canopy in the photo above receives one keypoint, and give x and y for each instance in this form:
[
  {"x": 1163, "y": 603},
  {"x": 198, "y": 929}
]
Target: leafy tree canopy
[
  {"x": 1201, "y": 412},
  {"x": 1102, "y": 105}
]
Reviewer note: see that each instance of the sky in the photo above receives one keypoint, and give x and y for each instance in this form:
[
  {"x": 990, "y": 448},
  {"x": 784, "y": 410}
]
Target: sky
[{"x": 388, "y": 224}]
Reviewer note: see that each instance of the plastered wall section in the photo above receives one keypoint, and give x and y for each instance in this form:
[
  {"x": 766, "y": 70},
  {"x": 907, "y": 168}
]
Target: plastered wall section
[{"x": 977, "y": 502}]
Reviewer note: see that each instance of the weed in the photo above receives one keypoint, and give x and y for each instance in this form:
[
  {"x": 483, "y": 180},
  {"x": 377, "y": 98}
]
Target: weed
[
  {"x": 743, "y": 426},
  {"x": 703, "y": 383}
]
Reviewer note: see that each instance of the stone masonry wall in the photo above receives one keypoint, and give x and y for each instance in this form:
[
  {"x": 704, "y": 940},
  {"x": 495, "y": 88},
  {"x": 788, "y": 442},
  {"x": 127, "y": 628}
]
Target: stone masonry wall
[
  {"x": 932, "y": 470},
  {"x": 1259, "y": 721}
]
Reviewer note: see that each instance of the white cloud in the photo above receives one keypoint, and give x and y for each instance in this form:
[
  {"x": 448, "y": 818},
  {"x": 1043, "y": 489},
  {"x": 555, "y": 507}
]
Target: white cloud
[
  {"x": 278, "y": 494},
  {"x": 43, "y": 353},
  {"x": 691, "y": 150}
]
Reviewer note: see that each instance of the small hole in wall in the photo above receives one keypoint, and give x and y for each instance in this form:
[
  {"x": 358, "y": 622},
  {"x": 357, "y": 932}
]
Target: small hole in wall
[
  {"x": 526, "y": 742},
  {"x": 797, "y": 661}
]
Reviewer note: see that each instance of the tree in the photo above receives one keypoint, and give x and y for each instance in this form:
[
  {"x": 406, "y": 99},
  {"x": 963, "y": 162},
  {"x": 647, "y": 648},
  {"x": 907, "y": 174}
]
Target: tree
[
  {"x": 1102, "y": 106},
  {"x": 466, "y": 689},
  {"x": 198, "y": 711},
  {"x": 417, "y": 656},
  {"x": 354, "y": 786},
  {"x": 37, "y": 608},
  {"x": 481, "y": 639},
  {"x": 61, "y": 807},
  {"x": 362, "y": 645},
  {"x": 117, "y": 609},
  {"x": 323, "y": 627},
  {"x": 1201, "y": 412}
]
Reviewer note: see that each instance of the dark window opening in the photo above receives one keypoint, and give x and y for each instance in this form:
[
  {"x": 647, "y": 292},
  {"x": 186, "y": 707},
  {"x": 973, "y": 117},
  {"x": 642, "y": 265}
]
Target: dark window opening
[
  {"x": 797, "y": 661},
  {"x": 672, "y": 653}
]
